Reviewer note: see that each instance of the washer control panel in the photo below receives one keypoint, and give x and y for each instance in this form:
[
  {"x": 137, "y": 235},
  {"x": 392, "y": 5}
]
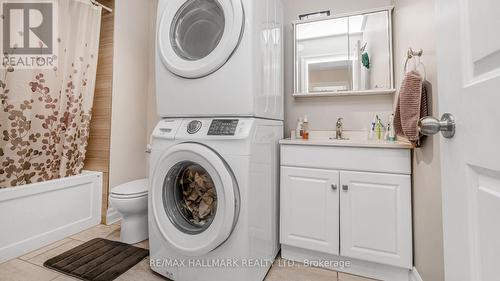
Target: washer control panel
[
  {"x": 223, "y": 127},
  {"x": 204, "y": 128},
  {"x": 194, "y": 126}
]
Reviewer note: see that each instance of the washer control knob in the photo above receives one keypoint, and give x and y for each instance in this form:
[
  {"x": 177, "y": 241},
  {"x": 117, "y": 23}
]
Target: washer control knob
[{"x": 193, "y": 127}]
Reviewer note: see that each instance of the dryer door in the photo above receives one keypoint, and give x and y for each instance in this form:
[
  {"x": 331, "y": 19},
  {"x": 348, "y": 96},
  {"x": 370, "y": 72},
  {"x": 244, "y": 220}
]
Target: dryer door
[
  {"x": 195, "y": 199},
  {"x": 197, "y": 37}
]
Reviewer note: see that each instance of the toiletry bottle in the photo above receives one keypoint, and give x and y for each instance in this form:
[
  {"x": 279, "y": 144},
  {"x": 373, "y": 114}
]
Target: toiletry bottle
[
  {"x": 305, "y": 128},
  {"x": 379, "y": 128},
  {"x": 298, "y": 129},
  {"x": 371, "y": 134},
  {"x": 390, "y": 129}
]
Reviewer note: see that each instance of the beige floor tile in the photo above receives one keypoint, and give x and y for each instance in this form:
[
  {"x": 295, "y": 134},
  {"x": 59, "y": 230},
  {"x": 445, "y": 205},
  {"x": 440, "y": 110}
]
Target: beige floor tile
[
  {"x": 348, "y": 277},
  {"x": 142, "y": 272},
  {"x": 144, "y": 244},
  {"x": 115, "y": 235},
  {"x": 44, "y": 249},
  {"x": 288, "y": 271},
  {"x": 41, "y": 258},
  {"x": 99, "y": 231},
  {"x": 19, "y": 270}
]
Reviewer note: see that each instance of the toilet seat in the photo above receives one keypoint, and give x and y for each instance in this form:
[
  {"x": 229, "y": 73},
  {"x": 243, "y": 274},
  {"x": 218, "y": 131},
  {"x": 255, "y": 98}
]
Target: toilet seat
[{"x": 130, "y": 190}]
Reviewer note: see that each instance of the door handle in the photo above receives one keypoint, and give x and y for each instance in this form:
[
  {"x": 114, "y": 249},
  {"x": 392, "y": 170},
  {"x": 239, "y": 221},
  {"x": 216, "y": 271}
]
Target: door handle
[
  {"x": 430, "y": 126},
  {"x": 345, "y": 187},
  {"x": 334, "y": 187}
]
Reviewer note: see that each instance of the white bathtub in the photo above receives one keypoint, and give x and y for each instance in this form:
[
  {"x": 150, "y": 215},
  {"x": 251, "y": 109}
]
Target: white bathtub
[{"x": 38, "y": 214}]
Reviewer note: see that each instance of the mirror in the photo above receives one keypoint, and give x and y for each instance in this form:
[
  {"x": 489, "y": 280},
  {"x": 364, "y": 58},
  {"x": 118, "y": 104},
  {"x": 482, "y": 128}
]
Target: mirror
[{"x": 349, "y": 54}]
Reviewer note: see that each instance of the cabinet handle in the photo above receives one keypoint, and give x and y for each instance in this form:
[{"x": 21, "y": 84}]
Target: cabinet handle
[
  {"x": 345, "y": 187},
  {"x": 334, "y": 186}
]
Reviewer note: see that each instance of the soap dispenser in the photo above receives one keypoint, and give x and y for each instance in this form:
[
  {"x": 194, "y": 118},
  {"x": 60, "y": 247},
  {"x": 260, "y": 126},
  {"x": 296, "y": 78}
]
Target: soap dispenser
[{"x": 298, "y": 129}]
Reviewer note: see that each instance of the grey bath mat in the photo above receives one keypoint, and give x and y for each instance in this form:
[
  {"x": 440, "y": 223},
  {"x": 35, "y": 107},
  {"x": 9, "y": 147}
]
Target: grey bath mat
[{"x": 97, "y": 260}]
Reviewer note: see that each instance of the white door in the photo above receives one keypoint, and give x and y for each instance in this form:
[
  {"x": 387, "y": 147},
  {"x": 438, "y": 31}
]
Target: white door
[
  {"x": 197, "y": 37},
  {"x": 469, "y": 88},
  {"x": 310, "y": 209},
  {"x": 375, "y": 218}
]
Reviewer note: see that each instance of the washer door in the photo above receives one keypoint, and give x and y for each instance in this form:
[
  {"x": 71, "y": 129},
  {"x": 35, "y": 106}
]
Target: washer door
[
  {"x": 195, "y": 199},
  {"x": 197, "y": 37}
]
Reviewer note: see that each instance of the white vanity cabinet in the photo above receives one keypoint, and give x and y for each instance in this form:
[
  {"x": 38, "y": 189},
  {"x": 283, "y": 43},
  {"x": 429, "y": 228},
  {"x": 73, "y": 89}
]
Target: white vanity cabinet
[
  {"x": 375, "y": 218},
  {"x": 310, "y": 209},
  {"x": 347, "y": 203}
]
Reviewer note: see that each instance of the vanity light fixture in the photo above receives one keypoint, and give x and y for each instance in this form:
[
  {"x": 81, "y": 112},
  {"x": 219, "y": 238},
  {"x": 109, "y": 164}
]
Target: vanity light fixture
[{"x": 314, "y": 15}]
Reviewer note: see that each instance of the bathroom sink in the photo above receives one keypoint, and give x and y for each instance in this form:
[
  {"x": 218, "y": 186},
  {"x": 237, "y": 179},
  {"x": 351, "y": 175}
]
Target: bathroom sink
[{"x": 350, "y": 138}]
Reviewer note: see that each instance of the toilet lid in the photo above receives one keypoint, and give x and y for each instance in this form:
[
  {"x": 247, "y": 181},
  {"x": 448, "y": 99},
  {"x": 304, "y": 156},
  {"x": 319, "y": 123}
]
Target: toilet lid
[{"x": 134, "y": 188}]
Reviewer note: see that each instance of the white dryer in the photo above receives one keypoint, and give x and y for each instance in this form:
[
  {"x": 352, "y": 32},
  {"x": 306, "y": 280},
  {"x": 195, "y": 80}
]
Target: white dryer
[
  {"x": 213, "y": 203},
  {"x": 219, "y": 58}
]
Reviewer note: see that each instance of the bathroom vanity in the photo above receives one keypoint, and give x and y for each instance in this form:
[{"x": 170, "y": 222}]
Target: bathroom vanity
[{"x": 347, "y": 200}]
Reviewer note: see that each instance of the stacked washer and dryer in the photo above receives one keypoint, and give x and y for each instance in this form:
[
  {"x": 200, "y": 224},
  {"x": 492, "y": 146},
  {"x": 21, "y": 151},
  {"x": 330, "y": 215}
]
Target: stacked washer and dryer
[{"x": 213, "y": 203}]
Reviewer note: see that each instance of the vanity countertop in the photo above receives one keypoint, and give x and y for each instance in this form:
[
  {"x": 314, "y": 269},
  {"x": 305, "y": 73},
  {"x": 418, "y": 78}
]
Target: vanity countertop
[{"x": 354, "y": 139}]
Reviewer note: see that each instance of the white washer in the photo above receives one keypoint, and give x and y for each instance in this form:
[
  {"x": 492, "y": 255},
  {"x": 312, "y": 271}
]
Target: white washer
[
  {"x": 219, "y": 58},
  {"x": 239, "y": 239}
]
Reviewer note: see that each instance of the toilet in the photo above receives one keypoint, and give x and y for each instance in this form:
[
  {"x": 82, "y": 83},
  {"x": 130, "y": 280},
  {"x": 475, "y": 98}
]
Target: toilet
[{"x": 131, "y": 201}]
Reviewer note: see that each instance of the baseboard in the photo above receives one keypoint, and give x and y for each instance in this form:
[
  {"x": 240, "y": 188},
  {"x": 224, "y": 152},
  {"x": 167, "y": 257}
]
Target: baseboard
[
  {"x": 414, "y": 276},
  {"x": 112, "y": 216}
]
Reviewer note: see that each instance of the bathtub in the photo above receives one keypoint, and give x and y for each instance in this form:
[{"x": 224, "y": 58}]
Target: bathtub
[{"x": 35, "y": 215}]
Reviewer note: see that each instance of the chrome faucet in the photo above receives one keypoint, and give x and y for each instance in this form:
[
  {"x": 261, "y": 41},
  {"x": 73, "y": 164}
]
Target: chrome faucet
[{"x": 339, "y": 133}]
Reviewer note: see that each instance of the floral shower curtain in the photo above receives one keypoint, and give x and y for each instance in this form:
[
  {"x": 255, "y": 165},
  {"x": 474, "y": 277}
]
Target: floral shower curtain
[{"x": 45, "y": 113}]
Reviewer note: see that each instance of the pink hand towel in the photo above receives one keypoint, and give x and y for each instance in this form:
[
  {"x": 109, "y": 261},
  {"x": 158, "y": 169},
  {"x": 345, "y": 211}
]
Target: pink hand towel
[{"x": 412, "y": 105}]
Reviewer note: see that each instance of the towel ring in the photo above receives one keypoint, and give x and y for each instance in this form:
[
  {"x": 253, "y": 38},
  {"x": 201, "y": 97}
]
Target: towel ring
[{"x": 411, "y": 54}]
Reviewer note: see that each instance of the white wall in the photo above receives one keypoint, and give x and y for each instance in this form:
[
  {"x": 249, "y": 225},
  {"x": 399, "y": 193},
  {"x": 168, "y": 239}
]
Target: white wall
[
  {"x": 323, "y": 112},
  {"x": 152, "y": 115},
  {"x": 414, "y": 26},
  {"x": 152, "y": 118},
  {"x": 131, "y": 80}
]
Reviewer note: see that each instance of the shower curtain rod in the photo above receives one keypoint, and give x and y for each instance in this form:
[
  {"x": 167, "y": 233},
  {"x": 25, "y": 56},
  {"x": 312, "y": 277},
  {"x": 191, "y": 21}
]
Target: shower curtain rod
[{"x": 101, "y": 5}]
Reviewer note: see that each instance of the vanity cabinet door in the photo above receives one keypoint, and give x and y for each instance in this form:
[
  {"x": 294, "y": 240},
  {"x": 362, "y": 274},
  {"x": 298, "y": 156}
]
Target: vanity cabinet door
[
  {"x": 310, "y": 209},
  {"x": 375, "y": 218}
]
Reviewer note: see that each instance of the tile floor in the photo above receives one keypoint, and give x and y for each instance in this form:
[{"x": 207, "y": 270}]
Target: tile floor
[{"x": 30, "y": 266}]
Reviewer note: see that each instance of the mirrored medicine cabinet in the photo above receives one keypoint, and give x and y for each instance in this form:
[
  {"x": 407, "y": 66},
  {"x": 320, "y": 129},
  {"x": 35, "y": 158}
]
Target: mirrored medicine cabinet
[{"x": 348, "y": 54}]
